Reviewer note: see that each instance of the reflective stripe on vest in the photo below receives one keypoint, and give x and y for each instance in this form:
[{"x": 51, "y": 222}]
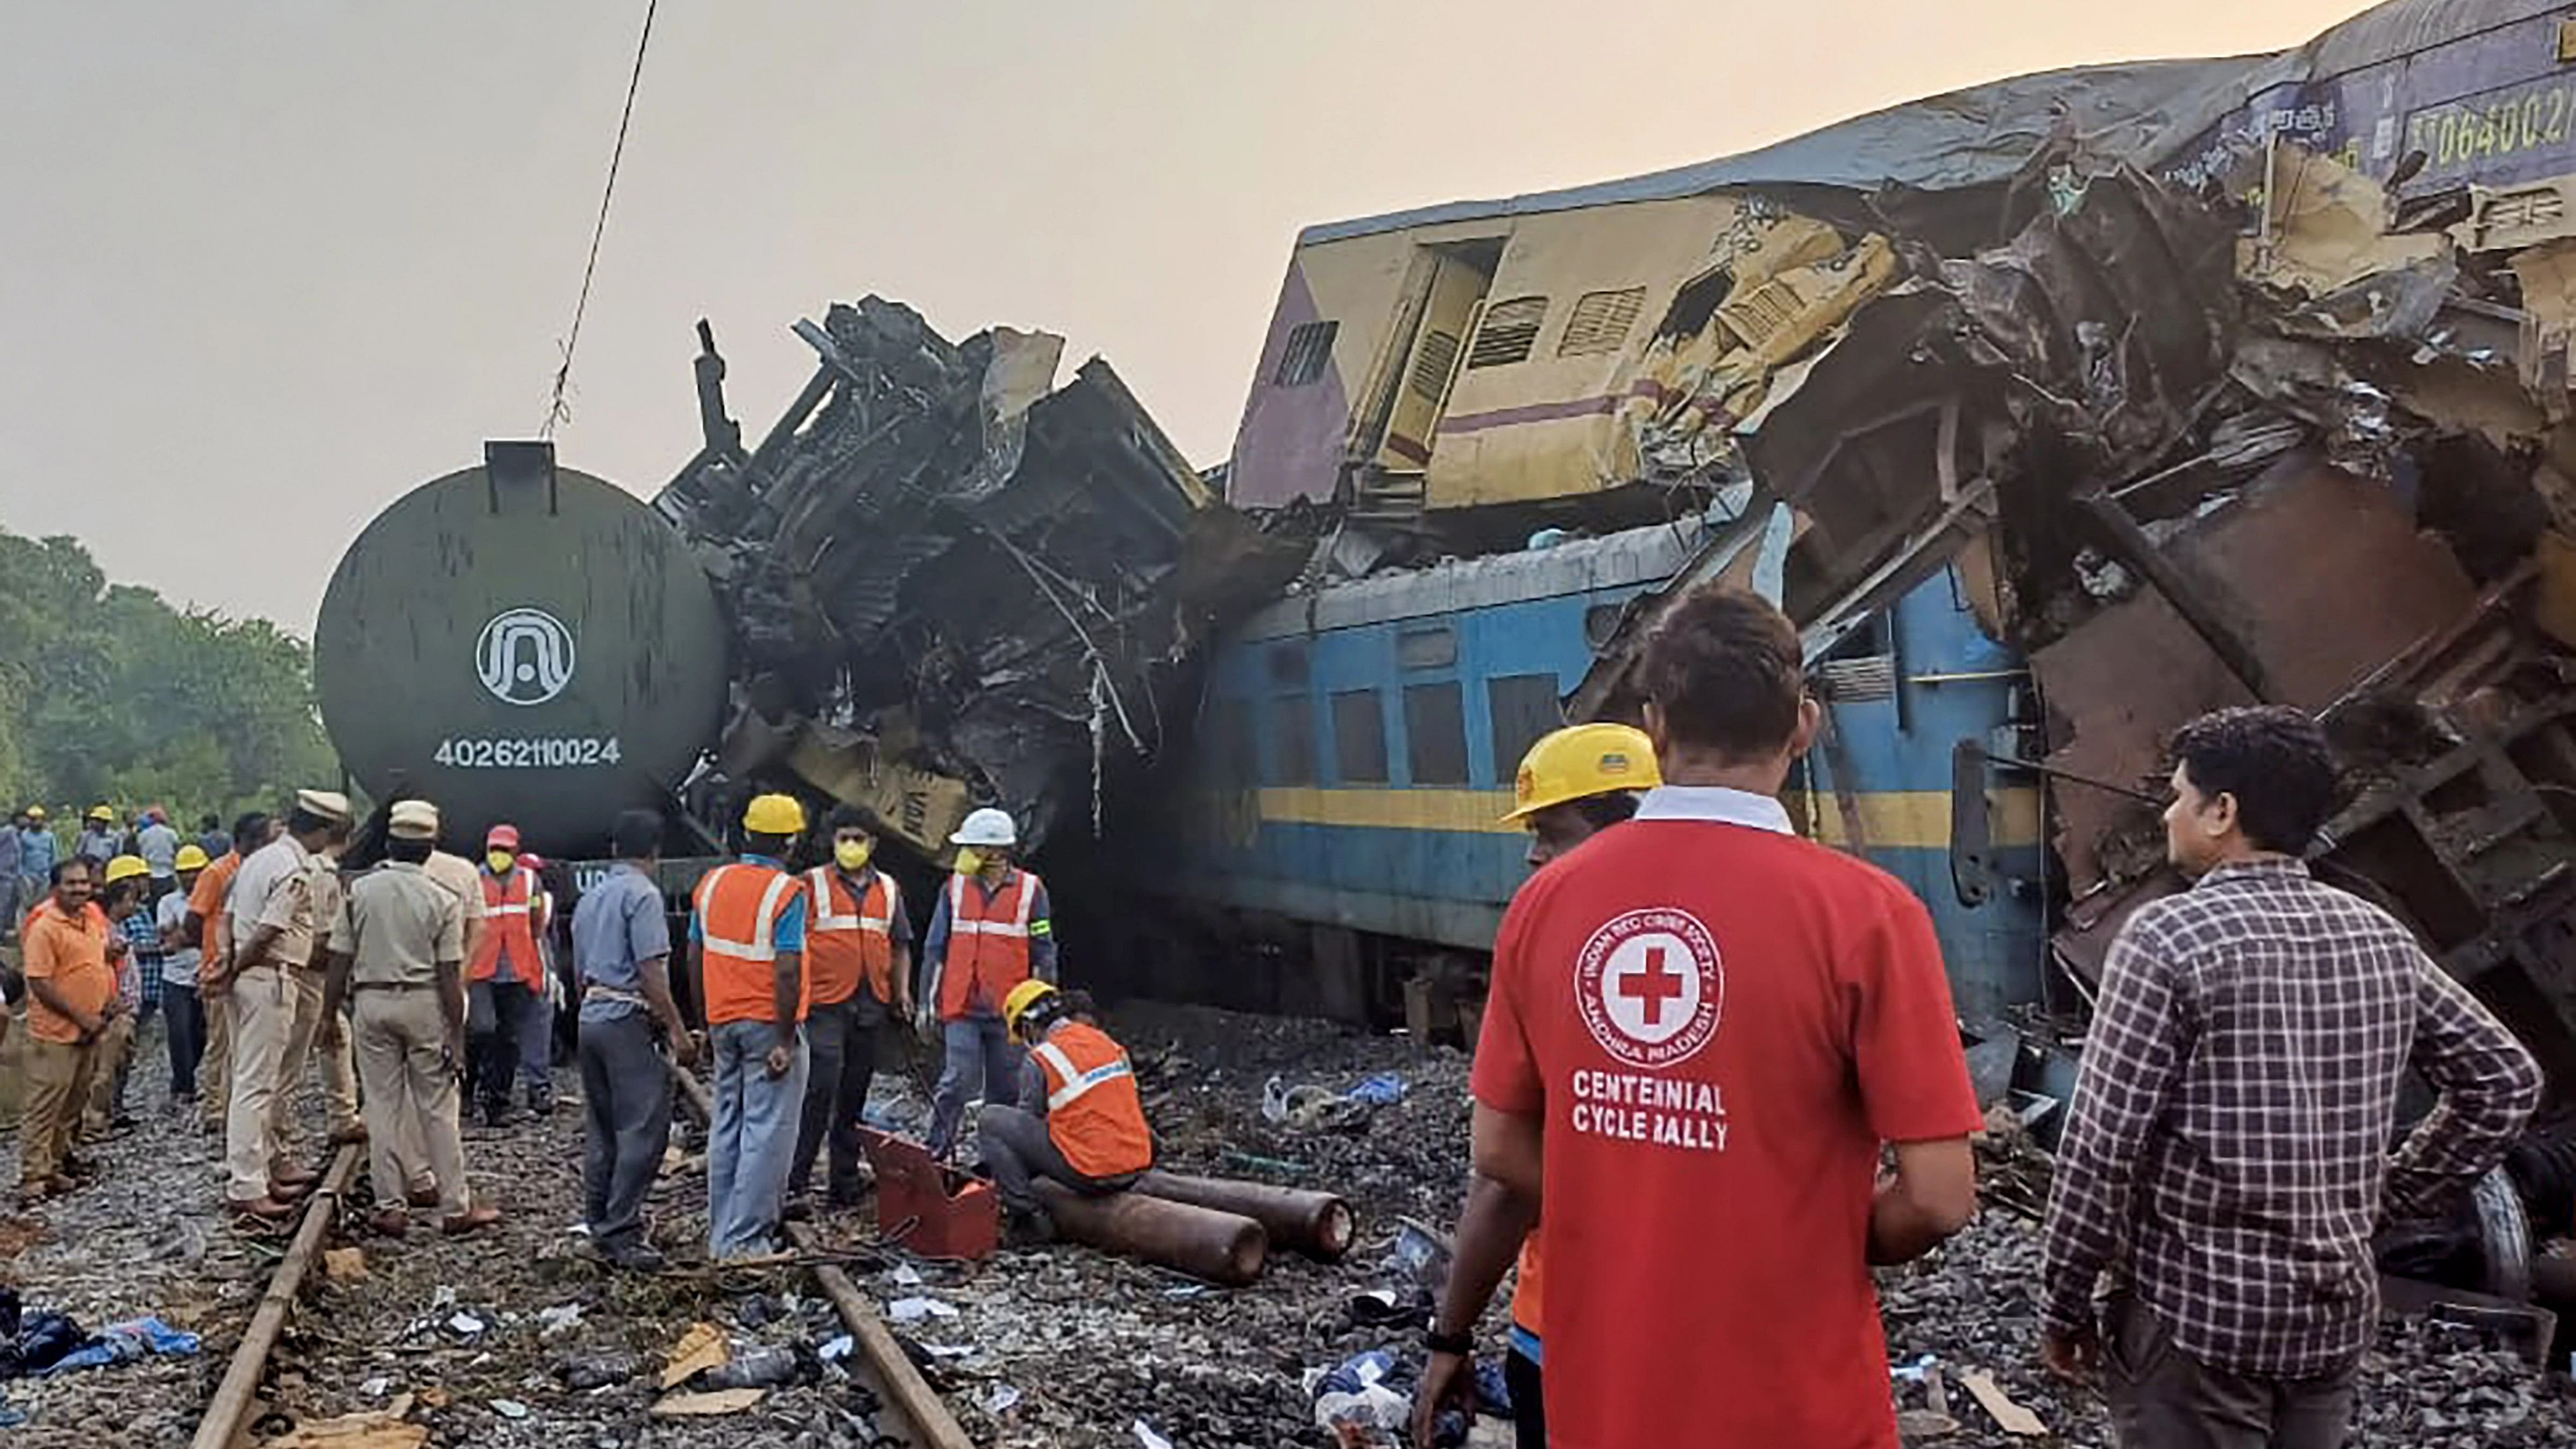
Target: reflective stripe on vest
[
  {"x": 762, "y": 947},
  {"x": 1077, "y": 1084}
]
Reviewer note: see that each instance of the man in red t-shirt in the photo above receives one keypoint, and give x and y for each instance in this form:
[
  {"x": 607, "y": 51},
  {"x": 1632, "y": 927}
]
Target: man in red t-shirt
[{"x": 1702, "y": 1029}]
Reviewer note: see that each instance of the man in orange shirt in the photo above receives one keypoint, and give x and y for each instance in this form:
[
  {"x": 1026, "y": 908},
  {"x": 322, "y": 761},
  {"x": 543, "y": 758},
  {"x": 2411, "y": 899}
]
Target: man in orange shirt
[
  {"x": 1703, "y": 1032},
  {"x": 71, "y": 1000}
]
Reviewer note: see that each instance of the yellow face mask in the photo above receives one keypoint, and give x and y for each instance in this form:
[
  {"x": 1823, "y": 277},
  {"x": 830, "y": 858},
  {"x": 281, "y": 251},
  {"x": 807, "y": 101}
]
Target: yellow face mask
[
  {"x": 969, "y": 860},
  {"x": 501, "y": 861},
  {"x": 853, "y": 854}
]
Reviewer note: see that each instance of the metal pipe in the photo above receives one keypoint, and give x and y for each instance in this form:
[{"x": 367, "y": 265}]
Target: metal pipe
[
  {"x": 1317, "y": 1224},
  {"x": 1202, "y": 1242}
]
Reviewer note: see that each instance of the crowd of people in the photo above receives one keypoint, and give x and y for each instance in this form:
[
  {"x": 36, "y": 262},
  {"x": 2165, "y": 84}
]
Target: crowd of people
[{"x": 428, "y": 986}]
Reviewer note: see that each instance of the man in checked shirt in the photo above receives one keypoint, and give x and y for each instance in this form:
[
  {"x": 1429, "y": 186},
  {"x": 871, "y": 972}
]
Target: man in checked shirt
[{"x": 2227, "y": 1157}]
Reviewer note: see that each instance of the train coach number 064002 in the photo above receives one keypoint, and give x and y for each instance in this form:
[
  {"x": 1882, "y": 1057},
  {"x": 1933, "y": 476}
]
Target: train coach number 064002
[{"x": 562, "y": 752}]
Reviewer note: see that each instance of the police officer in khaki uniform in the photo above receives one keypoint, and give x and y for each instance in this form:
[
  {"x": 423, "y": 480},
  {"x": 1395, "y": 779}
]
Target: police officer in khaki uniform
[
  {"x": 397, "y": 961},
  {"x": 273, "y": 928}
]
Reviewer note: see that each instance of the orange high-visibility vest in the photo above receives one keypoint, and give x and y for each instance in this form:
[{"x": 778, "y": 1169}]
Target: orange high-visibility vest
[
  {"x": 509, "y": 907},
  {"x": 849, "y": 943},
  {"x": 739, "y": 906},
  {"x": 1528, "y": 1298},
  {"x": 988, "y": 943},
  {"x": 1093, "y": 1111}
]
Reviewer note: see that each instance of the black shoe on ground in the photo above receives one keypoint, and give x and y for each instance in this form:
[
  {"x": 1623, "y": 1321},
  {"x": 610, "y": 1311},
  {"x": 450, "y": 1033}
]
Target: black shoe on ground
[
  {"x": 542, "y": 1103},
  {"x": 637, "y": 1258},
  {"x": 496, "y": 1114},
  {"x": 798, "y": 1208}
]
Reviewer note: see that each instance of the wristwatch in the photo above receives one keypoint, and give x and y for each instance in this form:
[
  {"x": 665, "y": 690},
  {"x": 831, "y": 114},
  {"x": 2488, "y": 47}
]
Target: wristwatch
[{"x": 1462, "y": 1345}]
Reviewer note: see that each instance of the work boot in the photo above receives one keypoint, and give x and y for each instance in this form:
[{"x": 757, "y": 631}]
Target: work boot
[
  {"x": 288, "y": 1191},
  {"x": 422, "y": 1197},
  {"x": 294, "y": 1176},
  {"x": 638, "y": 1258},
  {"x": 541, "y": 1100},
  {"x": 799, "y": 1208},
  {"x": 349, "y": 1137},
  {"x": 473, "y": 1220},
  {"x": 389, "y": 1222},
  {"x": 266, "y": 1209},
  {"x": 496, "y": 1113}
]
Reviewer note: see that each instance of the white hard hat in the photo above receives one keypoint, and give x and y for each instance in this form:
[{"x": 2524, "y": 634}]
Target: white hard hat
[{"x": 987, "y": 826}]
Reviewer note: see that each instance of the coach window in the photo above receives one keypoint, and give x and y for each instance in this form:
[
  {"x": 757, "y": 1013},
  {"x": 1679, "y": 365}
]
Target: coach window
[
  {"x": 1292, "y": 741},
  {"x": 1435, "y": 734},
  {"x": 1234, "y": 759},
  {"x": 1359, "y": 738},
  {"x": 1426, "y": 646},
  {"x": 1524, "y": 707}
]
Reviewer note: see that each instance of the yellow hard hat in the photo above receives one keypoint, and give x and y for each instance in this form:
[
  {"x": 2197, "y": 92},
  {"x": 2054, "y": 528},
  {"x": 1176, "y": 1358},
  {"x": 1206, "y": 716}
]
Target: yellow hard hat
[
  {"x": 1580, "y": 761},
  {"x": 1023, "y": 996},
  {"x": 124, "y": 867},
  {"x": 774, "y": 815},
  {"x": 35, "y": 812},
  {"x": 101, "y": 812},
  {"x": 192, "y": 857}
]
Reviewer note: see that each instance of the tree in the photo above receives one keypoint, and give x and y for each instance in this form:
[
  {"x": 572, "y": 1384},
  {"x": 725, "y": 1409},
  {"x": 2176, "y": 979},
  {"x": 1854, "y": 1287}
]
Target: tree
[{"x": 108, "y": 694}]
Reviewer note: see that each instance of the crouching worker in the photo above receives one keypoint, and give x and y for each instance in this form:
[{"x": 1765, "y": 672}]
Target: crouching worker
[{"x": 1079, "y": 1121}]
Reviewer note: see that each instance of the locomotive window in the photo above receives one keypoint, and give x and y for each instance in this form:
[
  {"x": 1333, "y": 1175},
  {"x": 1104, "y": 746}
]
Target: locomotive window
[
  {"x": 1288, "y": 663},
  {"x": 1524, "y": 707},
  {"x": 1359, "y": 738},
  {"x": 1292, "y": 741},
  {"x": 1426, "y": 646},
  {"x": 1435, "y": 734}
]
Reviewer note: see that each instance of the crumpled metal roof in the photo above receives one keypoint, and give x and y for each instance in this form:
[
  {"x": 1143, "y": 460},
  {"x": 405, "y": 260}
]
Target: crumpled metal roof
[{"x": 2138, "y": 112}]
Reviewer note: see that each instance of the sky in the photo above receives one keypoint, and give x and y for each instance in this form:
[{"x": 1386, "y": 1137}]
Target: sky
[{"x": 266, "y": 266}]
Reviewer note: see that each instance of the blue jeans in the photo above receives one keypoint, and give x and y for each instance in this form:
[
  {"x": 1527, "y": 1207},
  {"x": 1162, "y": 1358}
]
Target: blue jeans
[
  {"x": 753, "y": 1140},
  {"x": 976, "y": 1051}
]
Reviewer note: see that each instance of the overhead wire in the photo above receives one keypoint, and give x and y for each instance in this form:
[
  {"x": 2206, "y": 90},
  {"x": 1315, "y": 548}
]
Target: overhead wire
[{"x": 558, "y": 406}]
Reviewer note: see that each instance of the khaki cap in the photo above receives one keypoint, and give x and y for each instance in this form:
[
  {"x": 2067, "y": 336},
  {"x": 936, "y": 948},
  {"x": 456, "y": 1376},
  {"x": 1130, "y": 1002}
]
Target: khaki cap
[{"x": 413, "y": 820}]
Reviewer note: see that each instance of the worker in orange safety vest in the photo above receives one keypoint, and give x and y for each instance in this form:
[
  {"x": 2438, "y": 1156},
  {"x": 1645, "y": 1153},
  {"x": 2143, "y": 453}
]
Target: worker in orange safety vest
[
  {"x": 1079, "y": 1121},
  {"x": 858, "y": 969},
  {"x": 505, "y": 981},
  {"x": 747, "y": 948},
  {"x": 991, "y": 931}
]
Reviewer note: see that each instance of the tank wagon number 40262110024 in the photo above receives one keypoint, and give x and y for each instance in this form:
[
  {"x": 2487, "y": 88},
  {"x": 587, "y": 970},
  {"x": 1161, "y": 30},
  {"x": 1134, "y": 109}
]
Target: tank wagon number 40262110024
[{"x": 556, "y": 753}]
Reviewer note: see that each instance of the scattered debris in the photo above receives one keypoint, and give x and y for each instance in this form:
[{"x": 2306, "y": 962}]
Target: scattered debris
[
  {"x": 344, "y": 1265},
  {"x": 914, "y": 1310},
  {"x": 2012, "y": 1418},
  {"x": 509, "y": 1408},
  {"x": 702, "y": 1348}
]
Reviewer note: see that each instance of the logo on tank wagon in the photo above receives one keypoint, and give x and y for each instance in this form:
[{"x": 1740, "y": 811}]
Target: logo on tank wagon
[
  {"x": 525, "y": 656},
  {"x": 1651, "y": 986}
]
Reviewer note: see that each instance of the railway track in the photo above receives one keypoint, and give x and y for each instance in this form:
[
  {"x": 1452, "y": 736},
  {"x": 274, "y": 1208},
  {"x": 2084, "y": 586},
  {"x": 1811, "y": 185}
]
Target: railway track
[{"x": 345, "y": 1368}]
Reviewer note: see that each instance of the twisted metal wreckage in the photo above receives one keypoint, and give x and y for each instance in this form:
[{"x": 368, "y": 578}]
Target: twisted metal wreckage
[{"x": 951, "y": 582}]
